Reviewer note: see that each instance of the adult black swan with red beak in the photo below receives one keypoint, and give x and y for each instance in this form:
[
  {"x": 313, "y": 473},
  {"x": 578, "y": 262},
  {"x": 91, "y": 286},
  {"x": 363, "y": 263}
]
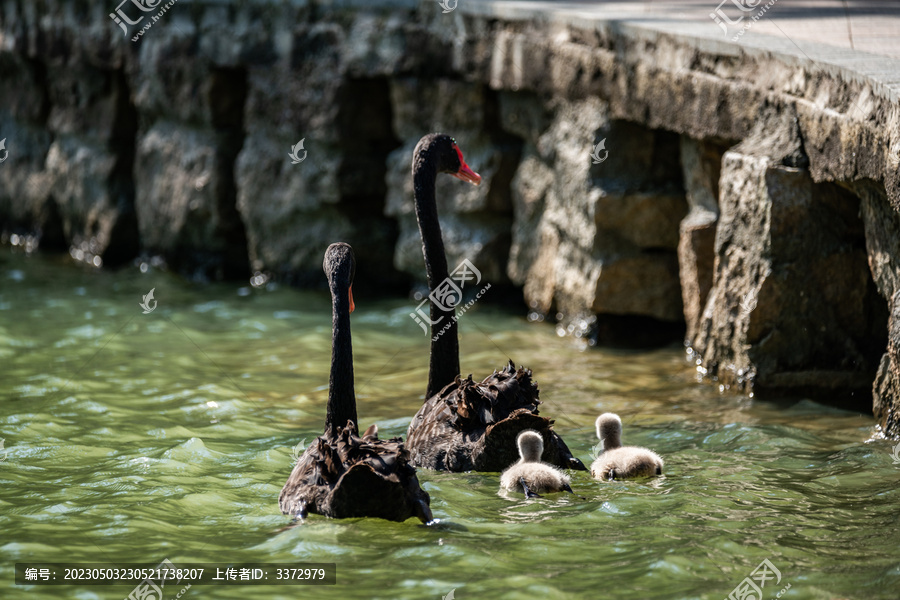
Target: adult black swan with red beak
[
  {"x": 341, "y": 474},
  {"x": 466, "y": 425}
]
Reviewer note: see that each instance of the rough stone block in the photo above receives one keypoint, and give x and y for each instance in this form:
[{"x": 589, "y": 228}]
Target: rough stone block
[
  {"x": 185, "y": 200},
  {"x": 594, "y": 238},
  {"x": 792, "y": 307}
]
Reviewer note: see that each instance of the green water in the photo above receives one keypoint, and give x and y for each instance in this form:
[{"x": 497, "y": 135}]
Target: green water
[{"x": 135, "y": 437}]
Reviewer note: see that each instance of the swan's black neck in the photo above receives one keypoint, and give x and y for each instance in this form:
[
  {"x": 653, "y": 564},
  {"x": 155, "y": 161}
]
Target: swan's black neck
[
  {"x": 444, "y": 364},
  {"x": 341, "y": 397}
]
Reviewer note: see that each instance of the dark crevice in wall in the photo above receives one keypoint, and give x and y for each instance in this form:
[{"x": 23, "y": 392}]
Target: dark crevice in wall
[
  {"x": 365, "y": 138},
  {"x": 510, "y": 147},
  {"x": 846, "y": 345},
  {"x": 124, "y": 243},
  {"x": 227, "y": 96},
  {"x": 634, "y": 332},
  {"x": 499, "y": 199},
  {"x": 48, "y": 223},
  {"x": 643, "y": 169},
  {"x": 39, "y": 69},
  {"x": 50, "y": 229}
]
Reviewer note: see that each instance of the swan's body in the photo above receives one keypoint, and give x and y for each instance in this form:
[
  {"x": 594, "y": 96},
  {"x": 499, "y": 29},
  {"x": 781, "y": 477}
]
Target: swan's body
[
  {"x": 341, "y": 474},
  {"x": 530, "y": 475},
  {"x": 465, "y": 425},
  {"x": 618, "y": 461}
]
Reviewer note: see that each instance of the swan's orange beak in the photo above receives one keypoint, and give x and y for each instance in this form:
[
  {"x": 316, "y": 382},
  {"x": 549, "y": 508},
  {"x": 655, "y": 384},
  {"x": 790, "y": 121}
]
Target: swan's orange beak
[{"x": 352, "y": 305}]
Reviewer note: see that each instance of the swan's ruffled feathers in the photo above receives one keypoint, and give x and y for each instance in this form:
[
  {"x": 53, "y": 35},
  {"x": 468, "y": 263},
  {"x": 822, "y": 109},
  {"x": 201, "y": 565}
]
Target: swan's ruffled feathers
[
  {"x": 470, "y": 425},
  {"x": 349, "y": 476}
]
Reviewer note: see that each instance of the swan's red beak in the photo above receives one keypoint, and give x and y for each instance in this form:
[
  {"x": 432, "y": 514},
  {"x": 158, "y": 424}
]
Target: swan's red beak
[
  {"x": 352, "y": 305},
  {"x": 465, "y": 173}
]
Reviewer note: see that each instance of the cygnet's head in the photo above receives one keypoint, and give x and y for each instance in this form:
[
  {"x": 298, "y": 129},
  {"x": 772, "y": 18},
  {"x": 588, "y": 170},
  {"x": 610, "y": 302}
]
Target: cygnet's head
[
  {"x": 531, "y": 445},
  {"x": 609, "y": 430}
]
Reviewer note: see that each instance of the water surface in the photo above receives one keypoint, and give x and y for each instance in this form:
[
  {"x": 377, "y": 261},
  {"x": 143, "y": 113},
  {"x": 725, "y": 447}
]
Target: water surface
[{"x": 135, "y": 437}]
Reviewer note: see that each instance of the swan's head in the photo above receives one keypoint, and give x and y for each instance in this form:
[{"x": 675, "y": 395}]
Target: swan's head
[
  {"x": 609, "y": 430},
  {"x": 531, "y": 445},
  {"x": 444, "y": 153},
  {"x": 340, "y": 267}
]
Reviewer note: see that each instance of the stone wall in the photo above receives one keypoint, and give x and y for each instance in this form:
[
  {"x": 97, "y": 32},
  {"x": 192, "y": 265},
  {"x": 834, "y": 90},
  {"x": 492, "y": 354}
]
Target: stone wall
[{"x": 745, "y": 197}]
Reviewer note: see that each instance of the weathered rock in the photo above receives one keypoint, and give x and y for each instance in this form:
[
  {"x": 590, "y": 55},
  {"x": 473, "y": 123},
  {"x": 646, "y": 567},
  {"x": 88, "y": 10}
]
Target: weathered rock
[
  {"x": 95, "y": 215},
  {"x": 184, "y": 169},
  {"x": 336, "y": 193},
  {"x": 882, "y": 225},
  {"x": 701, "y": 164},
  {"x": 594, "y": 238},
  {"x": 66, "y": 87},
  {"x": 88, "y": 166},
  {"x": 792, "y": 307},
  {"x": 619, "y": 279},
  {"x": 696, "y": 261},
  {"x": 185, "y": 200},
  {"x": 885, "y": 396},
  {"x": 25, "y": 201}
]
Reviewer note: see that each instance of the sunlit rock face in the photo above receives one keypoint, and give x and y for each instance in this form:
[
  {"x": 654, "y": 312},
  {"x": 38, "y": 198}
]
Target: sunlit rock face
[
  {"x": 882, "y": 224},
  {"x": 68, "y": 131},
  {"x": 595, "y": 235},
  {"x": 781, "y": 314},
  {"x": 701, "y": 166}
]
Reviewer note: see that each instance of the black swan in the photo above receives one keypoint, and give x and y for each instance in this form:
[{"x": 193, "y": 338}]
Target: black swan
[
  {"x": 618, "y": 461},
  {"x": 530, "y": 475},
  {"x": 465, "y": 425},
  {"x": 341, "y": 474}
]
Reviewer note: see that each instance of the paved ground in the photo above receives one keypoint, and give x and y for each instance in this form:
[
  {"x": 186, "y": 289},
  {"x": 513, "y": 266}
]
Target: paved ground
[
  {"x": 867, "y": 25},
  {"x": 858, "y": 37}
]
